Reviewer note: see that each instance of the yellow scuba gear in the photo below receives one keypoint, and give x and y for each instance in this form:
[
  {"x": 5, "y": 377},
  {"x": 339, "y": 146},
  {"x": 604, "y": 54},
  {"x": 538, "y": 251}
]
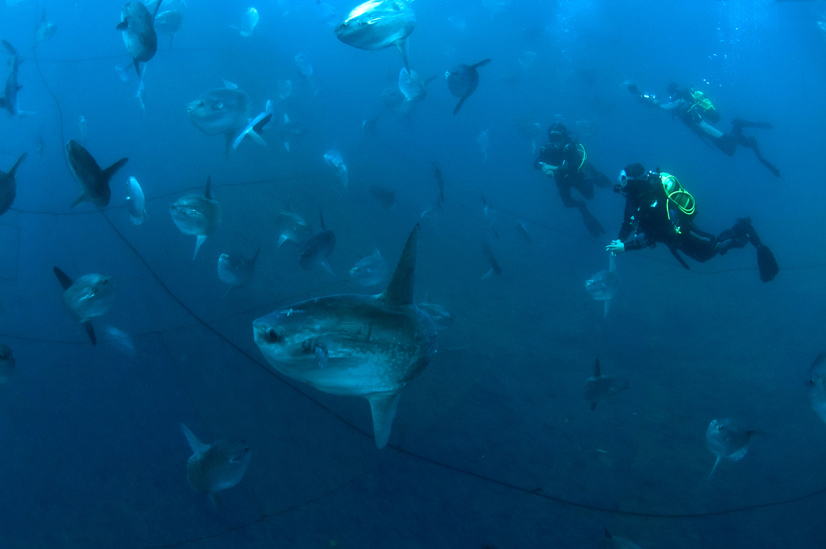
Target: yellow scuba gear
[
  {"x": 676, "y": 194},
  {"x": 703, "y": 106}
]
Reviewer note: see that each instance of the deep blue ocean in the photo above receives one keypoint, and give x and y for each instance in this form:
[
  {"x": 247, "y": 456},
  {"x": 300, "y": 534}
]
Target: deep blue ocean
[{"x": 493, "y": 445}]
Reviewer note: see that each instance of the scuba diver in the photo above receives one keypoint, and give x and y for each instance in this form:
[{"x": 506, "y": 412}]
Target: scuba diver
[
  {"x": 659, "y": 209},
  {"x": 565, "y": 159},
  {"x": 698, "y": 113}
]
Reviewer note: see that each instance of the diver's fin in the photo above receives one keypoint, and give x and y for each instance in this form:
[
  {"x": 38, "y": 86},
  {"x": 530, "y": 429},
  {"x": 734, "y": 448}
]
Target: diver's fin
[
  {"x": 63, "y": 278},
  {"x": 90, "y": 330},
  {"x": 400, "y": 290},
  {"x": 383, "y": 406},
  {"x": 679, "y": 258},
  {"x": 716, "y": 463},
  {"x": 766, "y": 263},
  {"x": 198, "y": 243}
]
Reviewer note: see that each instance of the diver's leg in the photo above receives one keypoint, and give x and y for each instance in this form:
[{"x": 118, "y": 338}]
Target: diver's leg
[
  {"x": 751, "y": 143},
  {"x": 738, "y": 124},
  {"x": 744, "y": 232},
  {"x": 599, "y": 179}
]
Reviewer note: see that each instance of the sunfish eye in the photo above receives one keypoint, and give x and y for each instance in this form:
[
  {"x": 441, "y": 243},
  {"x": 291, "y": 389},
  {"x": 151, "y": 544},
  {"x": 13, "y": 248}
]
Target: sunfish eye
[{"x": 272, "y": 336}]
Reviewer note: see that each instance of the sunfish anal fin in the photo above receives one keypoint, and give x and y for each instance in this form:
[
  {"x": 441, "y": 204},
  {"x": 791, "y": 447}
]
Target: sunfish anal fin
[
  {"x": 63, "y": 278},
  {"x": 282, "y": 239},
  {"x": 400, "y": 290},
  {"x": 81, "y": 198},
  {"x": 90, "y": 330},
  {"x": 402, "y": 46},
  {"x": 383, "y": 406},
  {"x": 716, "y": 463},
  {"x": 607, "y": 307},
  {"x": 201, "y": 239},
  {"x": 216, "y": 501}
]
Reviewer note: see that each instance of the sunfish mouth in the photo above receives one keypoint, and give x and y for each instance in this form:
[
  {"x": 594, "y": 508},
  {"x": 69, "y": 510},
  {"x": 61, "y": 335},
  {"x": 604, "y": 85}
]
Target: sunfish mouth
[{"x": 265, "y": 335}]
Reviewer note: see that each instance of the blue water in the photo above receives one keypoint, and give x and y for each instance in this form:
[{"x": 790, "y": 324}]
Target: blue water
[{"x": 493, "y": 445}]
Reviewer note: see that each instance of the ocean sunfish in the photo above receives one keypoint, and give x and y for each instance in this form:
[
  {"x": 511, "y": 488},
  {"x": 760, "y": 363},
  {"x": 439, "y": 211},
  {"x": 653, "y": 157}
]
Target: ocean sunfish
[
  {"x": 137, "y": 27},
  {"x": 727, "y": 439},
  {"x": 816, "y": 386},
  {"x": 370, "y": 270},
  {"x": 8, "y": 186},
  {"x": 215, "y": 467},
  {"x": 462, "y": 80},
  {"x": 356, "y": 345},
  {"x": 291, "y": 226},
  {"x": 603, "y": 285},
  {"x": 197, "y": 214},
  {"x": 221, "y": 111},
  {"x": 599, "y": 387},
  {"x": 378, "y": 24},
  {"x": 318, "y": 248},
  {"x": 94, "y": 182},
  {"x": 86, "y": 298},
  {"x": 236, "y": 270}
]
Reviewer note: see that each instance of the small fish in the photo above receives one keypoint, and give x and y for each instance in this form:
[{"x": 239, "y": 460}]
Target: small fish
[
  {"x": 248, "y": 23},
  {"x": 440, "y": 316},
  {"x": 326, "y": 13},
  {"x": 122, "y": 340},
  {"x": 370, "y": 270},
  {"x": 285, "y": 88},
  {"x": 8, "y": 186},
  {"x": 727, "y": 439},
  {"x": 487, "y": 251},
  {"x": 816, "y": 386},
  {"x": 197, "y": 215},
  {"x": 6, "y": 363},
  {"x": 291, "y": 226},
  {"x": 94, "y": 182},
  {"x": 135, "y": 201},
  {"x": 462, "y": 81},
  {"x": 385, "y": 197},
  {"x": 318, "y": 248},
  {"x": 138, "y": 32},
  {"x": 45, "y": 29},
  {"x": 236, "y": 270},
  {"x": 603, "y": 285},
  {"x": 378, "y": 24},
  {"x": 215, "y": 467},
  {"x": 82, "y": 129},
  {"x": 305, "y": 67},
  {"x": 333, "y": 158},
  {"x": 599, "y": 387},
  {"x": 87, "y": 297}
]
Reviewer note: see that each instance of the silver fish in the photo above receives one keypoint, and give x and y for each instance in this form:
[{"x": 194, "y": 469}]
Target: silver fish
[
  {"x": 318, "y": 248},
  {"x": 6, "y": 363},
  {"x": 221, "y": 111},
  {"x": 248, "y": 23},
  {"x": 357, "y": 345},
  {"x": 727, "y": 439},
  {"x": 215, "y": 467},
  {"x": 378, "y": 24},
  {"x": 816, "y": 386},
  {"x": 138, "y": 32},
  {"x": 413, "y": 86},
  {"x": 45, "y": 29},
  {"x": 93, "y": 181},
  {"x": 370, "y": 270},
  {"x": 603, "y": 285},
  {"x": 236, "y": 270},
  {"x": 291, "y": 226},
  {"x": 333, "y": 158},
  {"x": 169, "y": 22},
  {"x": 87, "y": 297},
  {"x": 135, "y": 201},
  {"x": 8, "y": 186},
  {"x": 462, "y": 80},
  {"x": 197, "y": 214},
  {"x": 305, "y": 67},
  {"x": 599, "y": 387}
]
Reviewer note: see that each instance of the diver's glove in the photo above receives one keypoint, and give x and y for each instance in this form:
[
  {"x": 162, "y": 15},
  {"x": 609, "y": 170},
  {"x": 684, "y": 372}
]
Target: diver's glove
[
  {"x": 616, "y": 246},
  {"x": 547, "y": 169}
]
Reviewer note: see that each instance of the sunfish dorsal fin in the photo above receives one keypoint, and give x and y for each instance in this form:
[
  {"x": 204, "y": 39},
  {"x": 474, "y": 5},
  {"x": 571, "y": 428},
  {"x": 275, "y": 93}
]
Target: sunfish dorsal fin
[
  {"x": 321, "y": 217},
  {"x": 16, "y": 164},
  {"x": 64, "y": 279},
  {"x": 400, "y": 290},
  {"x": 208, "y": 191},
  {"x": 383, "y": 406},
  {"x": 596, "y": 368},
  {"x": 716, "y": 463},
  {"x": 110, "y": 171},
  {"x": 197, "y": 446},
  {"x": 480, "y": 64}
]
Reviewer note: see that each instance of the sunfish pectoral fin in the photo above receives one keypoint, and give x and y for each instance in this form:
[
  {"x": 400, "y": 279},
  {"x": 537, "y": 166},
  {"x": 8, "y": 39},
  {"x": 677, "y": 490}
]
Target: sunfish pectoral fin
[
  {"x": 716, "y": 463},
  {"x": 110, "y": 171},
  {"x": 383, "y": 406},
  {"x": 401, "y": 44},
  {"x": 90, "y": 331},
  {"x": 198, "y": 242},
  {"x": 197, "y": 446},
  {"x": 122, "y": 26},
  {"x": 481, "y": 64},
  {"x": 607, "y": 307},
  {"x": 282, "y": 239}
]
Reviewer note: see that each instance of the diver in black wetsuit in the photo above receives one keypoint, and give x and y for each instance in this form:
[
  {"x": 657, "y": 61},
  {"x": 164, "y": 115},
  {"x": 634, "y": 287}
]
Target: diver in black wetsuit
[
  {"x": 658, "y": 209},
  {"x": 564, "y": 159},
  {"x": 698, "y": 113}
]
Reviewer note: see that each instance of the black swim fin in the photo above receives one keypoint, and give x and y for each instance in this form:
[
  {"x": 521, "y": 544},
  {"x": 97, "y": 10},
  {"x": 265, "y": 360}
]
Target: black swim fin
[{"x": 766, "y": 263}]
